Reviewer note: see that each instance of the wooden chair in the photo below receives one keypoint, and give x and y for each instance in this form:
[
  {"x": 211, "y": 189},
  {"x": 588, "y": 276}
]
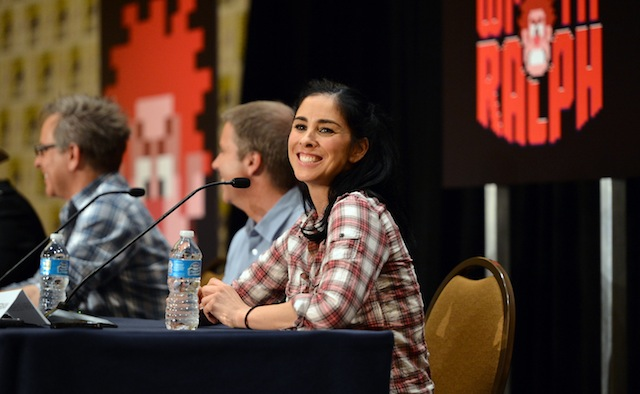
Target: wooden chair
[{"x": 469, "y": 329}]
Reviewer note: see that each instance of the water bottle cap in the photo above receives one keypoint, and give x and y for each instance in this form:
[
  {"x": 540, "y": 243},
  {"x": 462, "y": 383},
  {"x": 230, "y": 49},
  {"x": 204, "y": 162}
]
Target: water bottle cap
[
  {"x": 186, "y": 233},
  {"x": 56, "y": 237}
]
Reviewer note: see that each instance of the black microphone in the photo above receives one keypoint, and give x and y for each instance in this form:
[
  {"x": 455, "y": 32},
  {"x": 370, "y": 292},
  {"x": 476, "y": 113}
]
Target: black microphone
[
  {"x": 135, "y": 192},
  {"x": 241, "y": 183}
]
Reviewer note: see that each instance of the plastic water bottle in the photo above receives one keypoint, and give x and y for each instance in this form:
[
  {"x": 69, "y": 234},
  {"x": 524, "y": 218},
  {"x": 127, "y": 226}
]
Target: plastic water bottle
[
  {"x": 185, "y": 267},
  {"x": 54, "y": 273}
]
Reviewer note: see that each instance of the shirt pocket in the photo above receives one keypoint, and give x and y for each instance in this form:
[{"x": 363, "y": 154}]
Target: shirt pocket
[{"x": 345, "y": 245}]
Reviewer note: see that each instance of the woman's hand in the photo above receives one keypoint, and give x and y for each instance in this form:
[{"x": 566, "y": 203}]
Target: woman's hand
[{"x": 221, "y": 303}]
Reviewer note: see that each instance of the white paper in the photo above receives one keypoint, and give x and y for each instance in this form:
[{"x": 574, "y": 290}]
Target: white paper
[{"x": 16, "y": 304}]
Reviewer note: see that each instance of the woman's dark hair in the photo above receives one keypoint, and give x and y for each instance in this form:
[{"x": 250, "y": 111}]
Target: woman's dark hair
[{"x": 375, "y": 173}]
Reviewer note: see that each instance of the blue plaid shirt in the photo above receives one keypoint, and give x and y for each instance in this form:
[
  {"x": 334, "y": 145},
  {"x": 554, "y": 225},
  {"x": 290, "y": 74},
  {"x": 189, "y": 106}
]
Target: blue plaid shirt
[{"x": 135, "y": 283}]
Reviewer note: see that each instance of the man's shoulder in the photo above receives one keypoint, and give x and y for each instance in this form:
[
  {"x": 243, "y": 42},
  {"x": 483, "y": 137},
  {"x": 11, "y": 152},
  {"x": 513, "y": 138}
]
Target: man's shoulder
[
  {"x": 291, "y": 202},
  {"x": 112, "y": 181},
  {"x": 285, "y": 213}
]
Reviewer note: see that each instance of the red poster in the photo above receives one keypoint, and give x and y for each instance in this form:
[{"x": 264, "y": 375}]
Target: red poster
[{"x": 158, "y": 61}]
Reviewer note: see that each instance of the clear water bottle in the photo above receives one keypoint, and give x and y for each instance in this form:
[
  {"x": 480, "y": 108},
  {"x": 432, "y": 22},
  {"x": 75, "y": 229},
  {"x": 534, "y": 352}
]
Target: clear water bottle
[
  {"x": 185, "y": 267},
  {"x": 54, "y": 273}
]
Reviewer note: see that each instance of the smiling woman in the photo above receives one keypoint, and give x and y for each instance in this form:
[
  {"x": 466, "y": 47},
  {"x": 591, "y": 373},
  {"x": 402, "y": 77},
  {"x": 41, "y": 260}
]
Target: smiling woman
[
  {"x": 321, "y": 146},
  {"x": 345, "y": 263}
]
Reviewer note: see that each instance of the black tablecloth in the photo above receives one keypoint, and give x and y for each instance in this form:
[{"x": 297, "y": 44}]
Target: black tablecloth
[{"x": 141, "y": 356}]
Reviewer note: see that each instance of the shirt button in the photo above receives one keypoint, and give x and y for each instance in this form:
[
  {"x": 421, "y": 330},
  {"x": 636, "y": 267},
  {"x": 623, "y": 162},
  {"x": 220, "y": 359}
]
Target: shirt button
[{"x": 254, "y": 251}]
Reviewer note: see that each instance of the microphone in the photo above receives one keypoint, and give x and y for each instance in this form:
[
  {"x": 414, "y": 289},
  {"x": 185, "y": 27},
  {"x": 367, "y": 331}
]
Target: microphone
[
  {"x": 240, "y": 183},
  {"x": 60, "y": 313},
  {"x": 135, "y": 192}
]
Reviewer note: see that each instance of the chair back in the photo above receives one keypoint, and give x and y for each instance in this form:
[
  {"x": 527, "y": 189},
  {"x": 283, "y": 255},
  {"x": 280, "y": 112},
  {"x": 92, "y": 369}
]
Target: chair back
[{"x": 469, "y": 329}]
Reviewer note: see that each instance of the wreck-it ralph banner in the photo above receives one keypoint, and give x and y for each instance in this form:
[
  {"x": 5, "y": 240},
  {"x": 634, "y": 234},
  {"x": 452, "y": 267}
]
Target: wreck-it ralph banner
[
  {"x": 158, "y": 60},
  {"x": 540, "y": 90}
]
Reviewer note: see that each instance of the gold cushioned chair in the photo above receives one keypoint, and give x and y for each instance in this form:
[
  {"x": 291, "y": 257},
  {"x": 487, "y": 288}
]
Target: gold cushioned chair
[{"x": 469, "y": 329}]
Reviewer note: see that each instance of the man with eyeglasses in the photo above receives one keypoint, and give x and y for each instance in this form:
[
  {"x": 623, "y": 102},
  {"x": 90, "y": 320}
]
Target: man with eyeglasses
[{"x": 82, "y": 142}]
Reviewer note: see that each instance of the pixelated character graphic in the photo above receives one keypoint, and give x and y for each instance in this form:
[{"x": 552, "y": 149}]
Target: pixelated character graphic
[
  {"x": 536, "y": 32},
  {"x": 161, "y": 86},
  {"x": 155, "y": 150}
]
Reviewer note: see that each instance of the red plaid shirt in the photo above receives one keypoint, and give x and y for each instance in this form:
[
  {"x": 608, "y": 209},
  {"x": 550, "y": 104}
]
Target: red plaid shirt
[{"x": 360, "y": 277}]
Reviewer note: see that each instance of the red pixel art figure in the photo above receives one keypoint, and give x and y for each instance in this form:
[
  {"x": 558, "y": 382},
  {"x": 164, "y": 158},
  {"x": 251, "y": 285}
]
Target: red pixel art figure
[
  {"x": 536, "y": 31},
  {"x": 160, "y": 86}
]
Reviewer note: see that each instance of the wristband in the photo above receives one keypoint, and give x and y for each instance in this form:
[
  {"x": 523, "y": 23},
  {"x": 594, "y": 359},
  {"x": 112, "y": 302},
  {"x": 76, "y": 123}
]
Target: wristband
[{"x": 246, "y": 322}]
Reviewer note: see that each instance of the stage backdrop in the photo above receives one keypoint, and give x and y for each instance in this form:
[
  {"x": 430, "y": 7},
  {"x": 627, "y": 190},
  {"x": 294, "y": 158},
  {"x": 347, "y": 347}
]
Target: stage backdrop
[
  {"x": 158, "y": 62},
  {"x": 539, "y": 90}
]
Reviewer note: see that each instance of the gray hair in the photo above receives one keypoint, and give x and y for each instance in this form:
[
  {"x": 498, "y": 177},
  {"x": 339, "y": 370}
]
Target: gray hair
[
  {"x": 96, "y": 124},
  {"x": 264, "y": 127}
]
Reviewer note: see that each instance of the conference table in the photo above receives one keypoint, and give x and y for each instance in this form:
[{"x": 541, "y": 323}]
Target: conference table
[{"x": 142, "y": 356}]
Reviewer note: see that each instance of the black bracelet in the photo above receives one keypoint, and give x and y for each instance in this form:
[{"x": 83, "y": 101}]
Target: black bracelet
[{"x": 246, "y": 322}]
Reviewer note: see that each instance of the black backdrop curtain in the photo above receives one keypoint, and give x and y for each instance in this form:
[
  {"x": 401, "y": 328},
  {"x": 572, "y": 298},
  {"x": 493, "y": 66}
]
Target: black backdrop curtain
[{"x": 392, "y": 51}]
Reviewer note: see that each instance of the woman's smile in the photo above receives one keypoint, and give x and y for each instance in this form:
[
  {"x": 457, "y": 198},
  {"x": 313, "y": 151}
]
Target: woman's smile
[{"x": 307, "y": 158}]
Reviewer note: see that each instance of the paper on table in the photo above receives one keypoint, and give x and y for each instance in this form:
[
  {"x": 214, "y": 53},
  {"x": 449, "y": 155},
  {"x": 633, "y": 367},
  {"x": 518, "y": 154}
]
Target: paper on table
[{"x": 16, "y": 304}]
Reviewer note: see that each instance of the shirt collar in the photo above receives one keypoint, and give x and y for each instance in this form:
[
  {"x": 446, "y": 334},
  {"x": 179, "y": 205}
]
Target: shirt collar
[
  {"x": 312, "y": 224},
  {"x": 268, "y": 227},
  {"x": 83, "y": 197}
]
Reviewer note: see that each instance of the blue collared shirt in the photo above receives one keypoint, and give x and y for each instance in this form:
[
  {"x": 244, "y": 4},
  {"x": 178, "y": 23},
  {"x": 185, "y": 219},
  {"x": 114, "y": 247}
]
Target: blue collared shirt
[{"x": 255, "y": 238}]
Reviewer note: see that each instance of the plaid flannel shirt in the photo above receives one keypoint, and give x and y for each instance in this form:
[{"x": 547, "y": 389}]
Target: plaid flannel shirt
[{"x": 360, "y": 277}]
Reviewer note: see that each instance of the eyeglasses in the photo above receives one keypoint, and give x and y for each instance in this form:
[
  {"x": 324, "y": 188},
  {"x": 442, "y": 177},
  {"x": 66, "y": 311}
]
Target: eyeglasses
[{"x": 41, "y": 148}]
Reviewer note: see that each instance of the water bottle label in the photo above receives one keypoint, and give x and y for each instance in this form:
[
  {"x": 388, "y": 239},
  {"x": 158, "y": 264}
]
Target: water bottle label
[
  {"x": 179, "y": 268},
  {"x": 54, "y": 267}
]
